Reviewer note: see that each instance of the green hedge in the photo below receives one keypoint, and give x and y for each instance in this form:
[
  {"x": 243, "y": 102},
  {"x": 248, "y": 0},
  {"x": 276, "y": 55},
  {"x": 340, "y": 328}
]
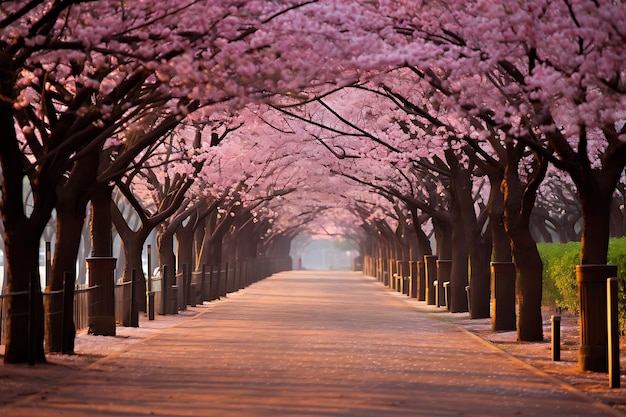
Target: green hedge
[{"x": 559, "y": 273}]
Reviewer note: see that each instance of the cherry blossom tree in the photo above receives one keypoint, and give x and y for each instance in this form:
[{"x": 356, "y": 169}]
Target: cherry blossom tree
[
  {"x": 563, "y": 94},
  {"x": 78, "y": 73}
]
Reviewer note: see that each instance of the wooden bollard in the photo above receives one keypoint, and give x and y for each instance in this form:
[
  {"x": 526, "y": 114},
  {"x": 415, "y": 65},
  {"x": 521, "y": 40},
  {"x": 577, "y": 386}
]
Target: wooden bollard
[
  {"x": 613, "y": 332},
  {"x": 556, "y": 338}
]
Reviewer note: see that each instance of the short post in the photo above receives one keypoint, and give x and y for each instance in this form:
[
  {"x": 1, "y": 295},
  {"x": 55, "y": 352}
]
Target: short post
[
  {"x": 64, "y": 294},
  {"x": 150, "y": 305},
  {"x": 430, "y": 262},
  {"x": 192, "y": 295},
  {"x": 448, "y": 293},
  {"x": 421, "y": 281},
  {"x": 556, "y": 338},
  {"x": 203, "y": 293},
  {"x": 32, "y": 283},
  {"x": 414, "y": 276},
  {"x": 165, "y": 291},
  {"x": 48, "y": 262},
  {"x": 134, "y": 311},
  {"x": 101, "y": 272},
  {"x": 185, "y": 288},
  {"x": 225, "y": 289},
  {"x": 591, "y": 279},
  {"x": 444, "y": 272},
  {"x": 150, "y": 293},
  {"x": 174, "y": 300},
  {"x": 613, "y": 329},
  {"x": 67, "y": 311},
  {"x": 211, "y": 282},
  {"x": 218, "y": 286},
  {"x": 149, "y": 250}
]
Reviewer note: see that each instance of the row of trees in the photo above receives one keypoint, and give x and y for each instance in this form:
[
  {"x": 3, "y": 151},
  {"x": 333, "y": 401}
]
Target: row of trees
[
  {"x": 495, "y": 94},
  {"x": 450, "y": 114}
]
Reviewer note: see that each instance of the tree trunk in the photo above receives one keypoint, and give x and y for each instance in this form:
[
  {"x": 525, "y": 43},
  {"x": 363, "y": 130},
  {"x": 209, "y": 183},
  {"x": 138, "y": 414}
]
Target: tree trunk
[
  {"x": 529, "y": 286},
  {"x": 458, "y": 275},
  {"x": 22, "y": 233},
  {"x": 198, "y": 245},
  {"x": 24, "y": 338},
  {"x": 518, "y": 203},
  {"x": 102, "y": 267},
  {"x": 184, "y": 238},
  {"x": 60, "y": 334},
  {"x": 101, "y": 222},
  {"x": 479, "y": 253},
  {"x": 133, "y": 249},
  {"x": 132, "y": 244},
  {"x": 501, "y": 245},
  {"x": 596, "y": 206},
  {"x": 423, "y": 243},
  {"x": 165, "y": 243},
  {"x": 595, "y": 196},
  {"x": 443, "y": 238},
  {"x": 71, "y": 208}
]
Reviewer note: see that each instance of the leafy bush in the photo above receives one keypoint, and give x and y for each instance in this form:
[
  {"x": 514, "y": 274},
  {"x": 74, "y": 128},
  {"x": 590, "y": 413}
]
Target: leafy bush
[{"x": 559, "y": 273}]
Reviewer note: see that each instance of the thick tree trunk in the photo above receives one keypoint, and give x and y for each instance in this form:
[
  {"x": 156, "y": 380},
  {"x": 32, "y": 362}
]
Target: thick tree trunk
[
  {"x": 101, "y": 223},
  {"x": 595, "y": 196},
  {"x": 198, "y": 246},
  {"x": 60, "y": 334},
  {"x": 215, "y": 245},
  {"x": 458, "y": 275},
  {"x": 165, "y": 243},
  {"x": 102, "y": 268},
  {"x": 25, "y": 326},
  {"x": 529, "y": 285},
  {"x": 423, "y": 243},
  {"x": 479, "y": 253},
  {"x": 71, "y": 209},
  {"x": 500, "y": 242},
  {"x": 133, "y": 249},
  {"x": 443, "y": 238},
  {"x": 25, "y": 334},
  {"x": 519, "y": 200},
  {"x": 132, "y": 244},
  {"x": 184, "y": 239},
  {"x": 596, "y": 203}
]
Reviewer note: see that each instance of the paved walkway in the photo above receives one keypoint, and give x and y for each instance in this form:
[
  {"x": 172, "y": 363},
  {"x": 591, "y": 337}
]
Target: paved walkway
[{"x": 309, "y": 344}]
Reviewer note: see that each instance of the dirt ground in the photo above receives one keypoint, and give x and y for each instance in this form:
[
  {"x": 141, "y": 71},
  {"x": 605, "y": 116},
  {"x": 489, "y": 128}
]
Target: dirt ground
[{"x": 17, "y": 381}]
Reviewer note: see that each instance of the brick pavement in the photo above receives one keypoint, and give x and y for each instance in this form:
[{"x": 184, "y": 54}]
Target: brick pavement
[{"x": 309, "y": 343}]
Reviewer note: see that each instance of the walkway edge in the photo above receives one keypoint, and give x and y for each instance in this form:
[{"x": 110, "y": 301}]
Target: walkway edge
[
  {"x": 126, "y": 348},
  {"x": 557, "y": 381},
  {"x": 568, "y": 387},
  {"x": 104, "y": 359}
]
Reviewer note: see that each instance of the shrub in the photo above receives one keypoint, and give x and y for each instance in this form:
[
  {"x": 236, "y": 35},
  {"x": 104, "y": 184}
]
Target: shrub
[{"x": 559, "y": 273}]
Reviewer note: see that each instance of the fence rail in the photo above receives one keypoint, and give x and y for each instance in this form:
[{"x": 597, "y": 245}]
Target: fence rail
[
  {"x": 171, "y": 292},
  {"x": 81, "y": 307}
]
